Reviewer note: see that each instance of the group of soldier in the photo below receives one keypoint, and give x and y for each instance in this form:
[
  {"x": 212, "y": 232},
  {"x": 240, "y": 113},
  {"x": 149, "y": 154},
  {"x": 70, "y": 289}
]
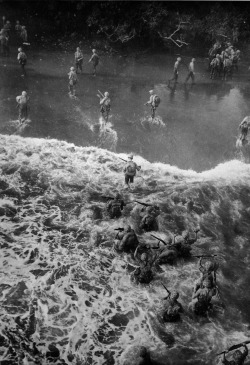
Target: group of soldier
[
  {"x": 146, "y": 258},
  {"x": 223, "y": 61},
  {"x": 20, "y": 35}
]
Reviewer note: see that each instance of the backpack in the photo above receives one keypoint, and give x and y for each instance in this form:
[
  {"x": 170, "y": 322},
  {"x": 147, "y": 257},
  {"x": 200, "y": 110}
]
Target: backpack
[
  {"x": 131, "y": 169},
  {"x": 156, "y": 101}
]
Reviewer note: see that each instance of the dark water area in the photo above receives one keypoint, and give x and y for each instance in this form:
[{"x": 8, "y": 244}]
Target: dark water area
[{"x": 198, "y": 124}]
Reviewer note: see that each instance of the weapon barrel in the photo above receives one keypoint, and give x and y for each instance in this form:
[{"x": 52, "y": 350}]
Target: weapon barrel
[
  {"x": 199, "y": 256},
  {"x": 145, "y": 204},
  {"x": 119, "y": 229},
  {"x": 165, "y": 288},
  {"x": 108, "y": 197},
  {"x": 100, "y": 93},
  {"x": 159, "y": 239},
  {"x": 123, "y": 159}
]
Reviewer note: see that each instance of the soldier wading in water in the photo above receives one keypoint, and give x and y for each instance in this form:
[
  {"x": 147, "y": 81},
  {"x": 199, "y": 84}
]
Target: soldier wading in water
[{"x": 130, "y": 170}]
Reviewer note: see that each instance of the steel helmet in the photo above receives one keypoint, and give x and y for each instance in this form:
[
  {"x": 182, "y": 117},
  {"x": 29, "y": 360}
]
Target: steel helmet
[
  {"x": 128, "y": 228},
  {"x": 24, "y": 93},
  {"x": 93, "y": 50},
  {"x": 178, "y": 59},
  {"x": 19, "y": 49},
  {"x": 106, "y": 93},
  {"x": 237, "y": 355},
  {"x": 209, "y": 266},
  {"x": 207, "y": 283},
  {"x": 151, "y": 91},
  {"x": 144, "y": 256},
  {"x": 72, "y": 68},
  {"x": 193, "y": 59},
  {"x": 78, "y": 48},
  {"x": 117, "y": 196},
  {"x": 174, "y": 295},
  {"x": 130, "y": 156},
  {"x": 238, "y": 51}
]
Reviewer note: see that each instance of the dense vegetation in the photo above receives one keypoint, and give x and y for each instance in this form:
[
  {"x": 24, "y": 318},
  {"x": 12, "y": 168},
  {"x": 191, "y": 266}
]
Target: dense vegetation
[{"x": 177, "y": 24}]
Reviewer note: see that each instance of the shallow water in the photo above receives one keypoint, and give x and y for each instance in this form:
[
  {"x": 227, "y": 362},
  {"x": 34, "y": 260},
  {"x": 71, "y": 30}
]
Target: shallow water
[
  {"x": 51, "y": 243},
  {"x": 199, "y": 124}
]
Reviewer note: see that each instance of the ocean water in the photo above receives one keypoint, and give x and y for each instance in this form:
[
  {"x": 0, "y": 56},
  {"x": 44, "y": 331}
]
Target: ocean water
[{"x": 63, "y": 287}]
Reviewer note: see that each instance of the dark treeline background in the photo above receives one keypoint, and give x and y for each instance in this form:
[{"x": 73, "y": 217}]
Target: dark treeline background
[{"x": 120, "y": 23}]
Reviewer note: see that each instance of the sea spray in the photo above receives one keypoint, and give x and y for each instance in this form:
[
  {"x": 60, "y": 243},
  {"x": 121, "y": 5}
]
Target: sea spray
[{"x": 87, "y": 306}]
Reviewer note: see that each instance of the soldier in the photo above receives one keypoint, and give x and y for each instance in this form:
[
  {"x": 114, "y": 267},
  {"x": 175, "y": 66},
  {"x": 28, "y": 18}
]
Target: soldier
[
  {"x": 215, "y": 66},
  {"x": 72, "y": 82},
  {"x": 154, "y": 102},
  {"x": 201, "y": 300},
  {"x": 130, "y": 170},
  {"x": 144, "y": 273},
  {"x": 24, "y": 34},
  {"x": 191, "y": 71},
  {"x": 128, "y": 240},
  {"x": 22, "y": 104},
  {"x": 22, "y": 59},
  {"x": 171, "y": 308},
  {"x": 183, "y": 243},
  {"x": 78, "y": 59},
  {"x": 238, "y": 357},
  {"x": 176, "y": 71},
  {"x": 244, "y": 130},
  {"x": 4, "y": 40},
  {"x": 95, "y": 60},
  {"x": 149, "y": 222},
  {"x": 115, "y": 206},
  {"x": 105, "y": 105},
  {"x": 227, "y": 68}
]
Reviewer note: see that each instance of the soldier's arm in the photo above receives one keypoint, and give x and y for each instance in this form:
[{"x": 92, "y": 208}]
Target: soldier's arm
[
  {"x": 224, "y": 360},
  {"x": 245, "y": 352},
  {"x": 90, "y": 58}
]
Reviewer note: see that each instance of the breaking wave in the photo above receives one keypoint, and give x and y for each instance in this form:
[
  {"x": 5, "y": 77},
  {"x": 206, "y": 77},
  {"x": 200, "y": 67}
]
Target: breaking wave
[{"x": 65, "y": 292}]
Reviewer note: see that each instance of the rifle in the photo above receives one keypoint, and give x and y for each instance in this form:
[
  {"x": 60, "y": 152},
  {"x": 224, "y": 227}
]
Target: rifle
[
  {"x": 112, "y": 198},
  {"x": 100, "y": 93},
  {"x": 159, "y": 239},
  {"x": 169, "y": 293},
  {"x": 145, "y": 204},
  {"x": 234, "y": 347},
  {"x": 122, "y": 159},
  {"x": 119, "y": 229}
]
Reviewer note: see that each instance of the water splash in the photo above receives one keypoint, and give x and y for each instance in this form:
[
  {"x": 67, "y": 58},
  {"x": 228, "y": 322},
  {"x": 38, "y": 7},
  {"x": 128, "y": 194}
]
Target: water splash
[{"x": 66, "y": 290}]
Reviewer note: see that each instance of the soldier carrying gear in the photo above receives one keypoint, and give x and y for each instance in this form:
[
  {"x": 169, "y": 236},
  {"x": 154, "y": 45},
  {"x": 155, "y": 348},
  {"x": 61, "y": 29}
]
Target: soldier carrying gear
[
  {"x": 130, "y": 170},
  {"x": 105, "y": 104},
  {"x": 201, "y": 300},
  {"x": 148, "y": 222},
  {"x": 72, "y": 81},
  {"x": 176, "y": 71},
  {"x": 115, "y": 206},
  {"x": 78, "y": 59},
  {"x": 128, "y": 240},
  {"x": 244, "y": 129},
  {"x": 154, "y": 102},
  {"x": 238, "y": 357},
  {"x": 22, "y": 59},
  {"x": 172, "y": 308},
  {"x": 22, "y": 104},
  {"x": 144, "y": 273},
  {"x": 95, "y": 60}
]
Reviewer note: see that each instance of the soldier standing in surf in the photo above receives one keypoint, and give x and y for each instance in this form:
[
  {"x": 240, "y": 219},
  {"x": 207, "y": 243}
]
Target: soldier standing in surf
[
  {"x": 95, "y": 61},
  {"x": 22, "y": 105},
  {"x": 72, "y": 81},
  {"x": 154, "y": 102},
  {"x": 130, "y": 170},
  {"x": 105, "y": 105}
]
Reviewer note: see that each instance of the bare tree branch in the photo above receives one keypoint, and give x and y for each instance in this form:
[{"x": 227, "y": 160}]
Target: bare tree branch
[{"x": 179, "y": 43}]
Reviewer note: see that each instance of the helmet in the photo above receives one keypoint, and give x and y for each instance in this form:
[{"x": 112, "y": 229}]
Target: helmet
[
  {"x": 209, "y": 266},
  {"x": 151, "y": 91},
  {"x": 174, "y": 295},
  {"x": 19, "y": 49},
  {"x": 193, "y": 59},
  {"x": 178, "y": 59},
  {"x": 128, "y": 228},
  {"x": 118, "y": 196},
  {"x": 185, "y": 234},
  {"x": 24, "y": 93},
  {"x": 207, "y": 283},
  {"x": 217, "y": 56},
  {"x": 17, "y": 22},
  {"x": 130, "y": 156},
  {"x": 106, "y": 93},
  {"x": 72, "y": 69},
  {"x": 78, "y": 48},
  {"x": 23, "y": 26},
  {"x": 238, "y": 51},
  {"x": 93, "y": 50},
  {"x": 237, "y": 355},
  {"x": 144, "y": 256}
]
